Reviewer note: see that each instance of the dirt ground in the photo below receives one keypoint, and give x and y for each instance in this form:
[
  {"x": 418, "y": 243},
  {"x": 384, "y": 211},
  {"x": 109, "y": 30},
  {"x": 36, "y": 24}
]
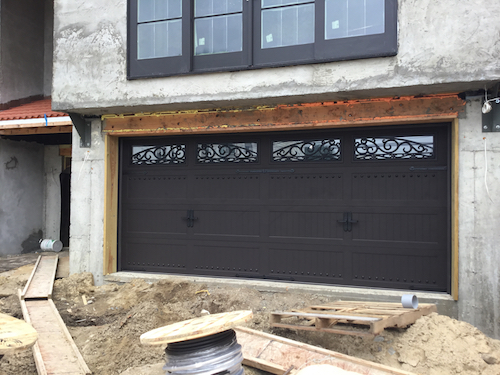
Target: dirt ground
[{"x": 107, "y": 329}]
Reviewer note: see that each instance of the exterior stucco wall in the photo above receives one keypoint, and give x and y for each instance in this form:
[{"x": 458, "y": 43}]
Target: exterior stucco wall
[
  {"x": 451, "y": 45},
  {"x": 52, "y": 193},
  {"x": 479, "y": 223},
  {"x": 21, "y": 196},
  {"x": 87, "y": 205}
]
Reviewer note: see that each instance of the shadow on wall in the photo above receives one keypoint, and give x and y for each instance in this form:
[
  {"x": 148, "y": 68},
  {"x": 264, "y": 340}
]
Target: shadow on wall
[{"x": 32, "y": 243}]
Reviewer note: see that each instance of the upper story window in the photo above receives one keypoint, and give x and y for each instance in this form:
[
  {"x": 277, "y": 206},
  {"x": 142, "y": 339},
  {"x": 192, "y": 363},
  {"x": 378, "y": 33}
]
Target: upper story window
[{"x": 169, "y": 37}]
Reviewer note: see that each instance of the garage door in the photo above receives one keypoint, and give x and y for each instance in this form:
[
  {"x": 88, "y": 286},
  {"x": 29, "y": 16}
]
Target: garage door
[{"x": 365, "y": 207}]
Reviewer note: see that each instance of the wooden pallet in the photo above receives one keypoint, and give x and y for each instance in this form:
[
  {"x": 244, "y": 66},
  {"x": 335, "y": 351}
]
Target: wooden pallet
[
  {"x": 279, "y": 355},
  {"x": 376, "y": 315},
  {"x": 55, "y": 352}
]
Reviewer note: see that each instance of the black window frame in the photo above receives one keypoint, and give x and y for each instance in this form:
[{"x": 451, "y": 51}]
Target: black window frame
[{"x": 253, "y": 56}]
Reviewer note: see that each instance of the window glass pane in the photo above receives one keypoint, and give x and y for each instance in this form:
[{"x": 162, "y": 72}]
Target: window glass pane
[
  {"x": 159, "y": 39},
  {"x": 349, "y": 18},
  {"x": 274, "y": 3},
  {"x": 287, "y": 26},
  {"x": 164, "y": 154},
  {"x": 218, "y": 34},
  {"x": 389, "y": 148},
  {"x": 307, "y": 150},
  {"x": 215, "y": 7},
  {"x": 227, "y": 152},
  {"x": 153, "y": 10}
]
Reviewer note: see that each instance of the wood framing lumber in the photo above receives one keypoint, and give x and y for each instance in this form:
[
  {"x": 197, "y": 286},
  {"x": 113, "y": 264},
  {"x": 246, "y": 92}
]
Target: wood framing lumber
[
  {"x": 277, "y": 353},
  {"x": 41, "y": 281}
]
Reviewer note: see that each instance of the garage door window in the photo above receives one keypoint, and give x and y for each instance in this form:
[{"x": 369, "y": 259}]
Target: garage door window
[
  {"x": 227, "y": 152},
  {"x": 307, "y": 150},
  {"x": 390, "y": 148},
  {"x": 164, "y": 154}
]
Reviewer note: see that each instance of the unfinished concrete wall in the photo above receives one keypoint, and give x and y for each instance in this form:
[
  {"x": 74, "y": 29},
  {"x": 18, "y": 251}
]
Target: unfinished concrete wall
[
  {"x": 444, "y": 46},
  {"x": 21, "y": 196},
  {"x": 87, "y": 205},
  {"x": 48, "y": 47},
  {"x": 479, "y": 223},
  {"x": 21, "y": 49},
  {"x": 52, "y": 193}
]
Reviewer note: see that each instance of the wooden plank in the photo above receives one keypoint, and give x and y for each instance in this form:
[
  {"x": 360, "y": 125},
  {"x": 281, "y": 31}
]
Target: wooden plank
[
  {"x": 329, "y": 316},
  {"x": 15, "y": 335},
  {"x": 37, "y": 356},
  {"x": 454, "y": 208},
  {"x": 31, "y": 278},
  {"x": 381, "y": 111},
  {"x": 58, "y": 353},
  {"x": 110, "y": 204},
  {"x": 326, "y": 329},
  {"x": 402, "y": 320},
  {"x": 286, "y": 353},
  {"x": 41, "y": 281},
  {"x": 265, "y": 365},
  {"x": 37, "y": 130}
]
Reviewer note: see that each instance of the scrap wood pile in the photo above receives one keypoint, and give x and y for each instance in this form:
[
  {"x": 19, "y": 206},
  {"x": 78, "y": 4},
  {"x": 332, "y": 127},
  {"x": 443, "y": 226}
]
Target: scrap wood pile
[{"x": 107, "y": 323}]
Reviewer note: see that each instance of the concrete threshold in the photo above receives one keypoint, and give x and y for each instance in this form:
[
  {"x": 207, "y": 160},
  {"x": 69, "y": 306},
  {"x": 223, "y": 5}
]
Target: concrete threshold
[{"x": 446, "y": 305}]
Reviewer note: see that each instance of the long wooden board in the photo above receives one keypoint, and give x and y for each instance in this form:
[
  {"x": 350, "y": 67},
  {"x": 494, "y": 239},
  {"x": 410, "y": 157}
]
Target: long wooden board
[
  {"x": 376, "y": 315},
  {"x": 41, "y": 281},
  {"x": 55, "y": 352},
  {"x": 277, "y": 355}
]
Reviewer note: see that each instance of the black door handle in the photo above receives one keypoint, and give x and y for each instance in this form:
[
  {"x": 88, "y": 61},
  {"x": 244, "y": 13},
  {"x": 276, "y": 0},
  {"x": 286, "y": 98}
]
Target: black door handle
[
  {"x": 347, "y": 221},
  {"x": 190, "y": 218}
]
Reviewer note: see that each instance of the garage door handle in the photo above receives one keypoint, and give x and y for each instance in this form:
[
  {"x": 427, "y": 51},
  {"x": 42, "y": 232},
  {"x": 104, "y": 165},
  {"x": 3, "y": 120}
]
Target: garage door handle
[
  {"x": 347, "y": 221},
  {"x": 190, "y": 218}
]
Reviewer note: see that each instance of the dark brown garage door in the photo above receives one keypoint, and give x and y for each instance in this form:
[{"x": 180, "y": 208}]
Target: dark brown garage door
[{"x": 367, "y": 207}]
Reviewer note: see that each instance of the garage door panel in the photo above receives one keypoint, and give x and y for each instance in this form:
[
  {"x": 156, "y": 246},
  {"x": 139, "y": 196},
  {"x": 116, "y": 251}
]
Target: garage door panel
[
  {"x": 216, "y": 258},
  {"x": 155, "y": 221},
  {"x": 226, "y": 187},
  {"x": 398, "y": 227},
  {"x": 218, "y": 222},
  {"x": 406, "y": 186},
  {"x": 303, "y": 224},
  {"x": 155, "y": 188},
  {"x": 414, "y": 271},
  {"x": 306, "y": 186},
  {"x": 151, "y": 255},
  {"x": 319, "y": 262}
]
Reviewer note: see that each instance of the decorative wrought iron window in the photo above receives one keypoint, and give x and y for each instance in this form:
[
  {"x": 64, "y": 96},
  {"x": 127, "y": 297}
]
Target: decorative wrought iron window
[
  {"x": 169, "y": 37},
  {"x": 390, "y": 148},
  {"x": 227, "y": 152},
  {"x": 307, "y": 150},
  {"x": 163, "y": 154}
]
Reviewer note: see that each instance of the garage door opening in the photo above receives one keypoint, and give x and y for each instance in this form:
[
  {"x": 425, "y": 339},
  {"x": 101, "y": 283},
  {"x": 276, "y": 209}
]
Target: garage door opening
[{"x": 364, "y": 207}]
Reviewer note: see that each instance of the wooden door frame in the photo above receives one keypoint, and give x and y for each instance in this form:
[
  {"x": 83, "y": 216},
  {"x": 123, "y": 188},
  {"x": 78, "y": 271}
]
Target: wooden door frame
[{"x": 377, "y": 112}]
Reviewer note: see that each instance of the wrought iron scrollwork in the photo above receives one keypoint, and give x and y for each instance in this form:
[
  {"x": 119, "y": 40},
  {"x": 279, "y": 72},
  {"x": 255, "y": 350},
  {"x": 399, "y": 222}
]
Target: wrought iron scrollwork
[
  {"x": 388, "y": 148},
  {"x": 227, "y": 152},
  {"x": 165, "y": 154},
  {"x": 317, "y": 150}
]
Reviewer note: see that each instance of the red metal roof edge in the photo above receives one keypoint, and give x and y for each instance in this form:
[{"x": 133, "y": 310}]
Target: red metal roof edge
[{"x": 36, "y": 109}]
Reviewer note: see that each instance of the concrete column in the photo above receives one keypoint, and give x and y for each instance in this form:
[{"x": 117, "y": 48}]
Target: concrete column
[
  {"x": 87, "y": 205},
  {"x": 479, "y": 223},
  {"x": 52, "y": 193}
]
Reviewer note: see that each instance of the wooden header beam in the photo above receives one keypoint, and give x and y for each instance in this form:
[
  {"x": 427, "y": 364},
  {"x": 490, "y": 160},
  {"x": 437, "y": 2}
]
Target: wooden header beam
[
  {"x": 288, "y": 117},
  {"x": 39, "y": 130}
]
